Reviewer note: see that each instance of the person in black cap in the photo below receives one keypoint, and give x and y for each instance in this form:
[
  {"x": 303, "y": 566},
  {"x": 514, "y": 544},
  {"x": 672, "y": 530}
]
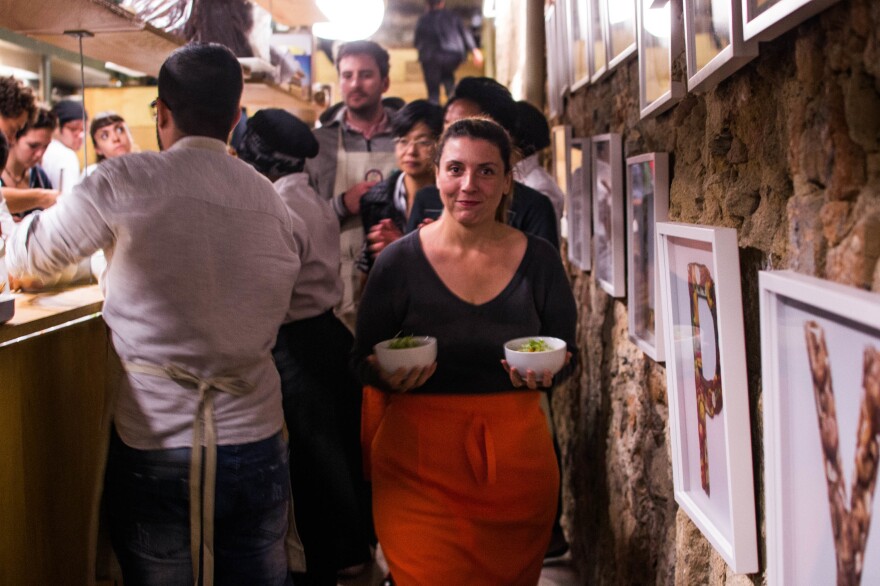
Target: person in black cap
[
  {"x": 321, "y": 398},
  {"x": 529, "y": 210},
  {"x": 61, "y": 162},
  {"x": 532, "y": 135}
]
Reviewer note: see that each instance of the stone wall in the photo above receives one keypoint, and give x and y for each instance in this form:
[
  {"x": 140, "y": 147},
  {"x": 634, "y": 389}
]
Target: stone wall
[{"x": 787, "y": 151}]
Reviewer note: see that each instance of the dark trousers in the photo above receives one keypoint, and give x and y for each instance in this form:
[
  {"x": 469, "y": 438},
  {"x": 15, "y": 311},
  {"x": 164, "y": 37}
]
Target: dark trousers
[
  {"x": 440, "y": 69},
  {"x": 146, "y": 494},
  {"x": 322, "y": 402}
]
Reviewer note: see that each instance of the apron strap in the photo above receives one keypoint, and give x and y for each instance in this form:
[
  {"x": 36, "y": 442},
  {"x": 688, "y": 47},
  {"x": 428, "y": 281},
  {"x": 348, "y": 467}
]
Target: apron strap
[{"x": 201, "y": 514}]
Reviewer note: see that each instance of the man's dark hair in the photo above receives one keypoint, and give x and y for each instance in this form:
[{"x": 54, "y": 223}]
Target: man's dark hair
[
  {"x": 374, "y": 50},
  {"x": 15, "y": 98},
  {"x": 493, "y": 99},
  {"x": 413, "y": 113},
  {"x": 532, "y": 133},
  {"x": 4, "y": 150},
  {"x": 201, "y": 84},
  {"x": 44, "y": 119}
]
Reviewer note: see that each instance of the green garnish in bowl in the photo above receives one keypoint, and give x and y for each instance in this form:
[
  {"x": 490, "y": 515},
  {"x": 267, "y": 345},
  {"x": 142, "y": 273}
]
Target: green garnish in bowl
[
  {"x": 534, "y": 345},
  {"x": 401, "y": 342}
]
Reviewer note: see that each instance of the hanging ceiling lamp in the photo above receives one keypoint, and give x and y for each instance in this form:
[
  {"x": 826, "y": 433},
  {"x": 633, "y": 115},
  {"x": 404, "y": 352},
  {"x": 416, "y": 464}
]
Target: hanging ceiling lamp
[{"x": 349, "y": 20}]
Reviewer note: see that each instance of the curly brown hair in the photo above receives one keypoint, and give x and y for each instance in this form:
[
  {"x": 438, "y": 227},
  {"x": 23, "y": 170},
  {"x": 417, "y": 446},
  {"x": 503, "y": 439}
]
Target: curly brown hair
[{"x": 15, "y": 98}]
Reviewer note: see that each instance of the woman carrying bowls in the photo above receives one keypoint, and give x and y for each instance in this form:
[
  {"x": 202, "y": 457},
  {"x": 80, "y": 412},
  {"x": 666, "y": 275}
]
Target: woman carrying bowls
[{"x": 464, "y": 475}]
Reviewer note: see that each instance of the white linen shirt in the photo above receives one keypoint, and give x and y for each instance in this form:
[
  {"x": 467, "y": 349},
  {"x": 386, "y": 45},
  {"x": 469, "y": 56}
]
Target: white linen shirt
[
  {"x": 316, "y": 228},
  {"x": 201, "y": 265},
  {"x": 530, "y": 172},
  {"x": 61, "y": 165}
]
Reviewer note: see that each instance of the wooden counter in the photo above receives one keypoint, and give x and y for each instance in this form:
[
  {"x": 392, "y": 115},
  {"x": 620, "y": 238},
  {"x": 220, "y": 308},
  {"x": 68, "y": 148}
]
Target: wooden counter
[{"x": 53, "y": 370}]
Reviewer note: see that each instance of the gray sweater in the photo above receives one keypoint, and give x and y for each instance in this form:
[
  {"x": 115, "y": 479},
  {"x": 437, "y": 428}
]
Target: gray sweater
[{"x": 405, "y": 295}]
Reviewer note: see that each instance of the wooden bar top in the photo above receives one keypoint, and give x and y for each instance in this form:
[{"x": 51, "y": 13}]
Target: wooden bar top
[{"x": 36, "y": 312}]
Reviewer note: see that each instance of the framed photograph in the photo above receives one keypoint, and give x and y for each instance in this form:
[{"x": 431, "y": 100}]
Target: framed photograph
[
  {"x": 608, "y": 223},
  {"x": 579, "y": 39},
  {"x": 659, "y": 39},
  {"x": 621, "y": 30},
  {"x": 563, "y": 48},
  {"x": 554, "y": 100},
  {"x": 708, "y": 387},
  {"x": 596, "y": 29},
  {"x": 764, "y": 20},
  {"x": 714, "y": 44},
  {"x": 578, "y": 205},
  {"x": 647, "y": 202},
  {"x": 820, "y": 353}
]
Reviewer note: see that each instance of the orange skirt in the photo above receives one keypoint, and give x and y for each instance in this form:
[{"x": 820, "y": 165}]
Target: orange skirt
[{"x": 464, "y": 488}]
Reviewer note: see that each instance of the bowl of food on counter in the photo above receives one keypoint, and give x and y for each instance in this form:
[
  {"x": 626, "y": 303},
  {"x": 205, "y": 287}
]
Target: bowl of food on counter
[
  {"x": 406, "y": 352},
  {"x": 537, "y": 353}
]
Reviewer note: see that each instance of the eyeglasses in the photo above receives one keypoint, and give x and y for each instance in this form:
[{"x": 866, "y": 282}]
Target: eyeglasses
[
  {"x": 422, "y": 143},
  {"x": 154, "y": 111}
]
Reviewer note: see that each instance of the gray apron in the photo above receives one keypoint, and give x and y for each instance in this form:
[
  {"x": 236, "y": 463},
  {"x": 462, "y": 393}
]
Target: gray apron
[{"x": 352, "y": 168}]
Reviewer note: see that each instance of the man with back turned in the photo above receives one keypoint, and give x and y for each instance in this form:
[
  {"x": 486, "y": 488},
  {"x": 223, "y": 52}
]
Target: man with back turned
[{"x": 201, "y": 262}]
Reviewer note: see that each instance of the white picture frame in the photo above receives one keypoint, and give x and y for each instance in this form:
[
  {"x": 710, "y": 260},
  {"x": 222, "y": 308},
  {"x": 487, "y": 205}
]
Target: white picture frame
[
  {"x": 714, "y": 44},
  {"x": 659, "y": 40},
  {"x": 563, "y": 48},
  {"x": 620, "y": 31},
  {"x": 579, "y": 205},
  {"x": 554, "y": 101},
  {"x": 579, "y": 40},
  {"x": 709, "y": 421},
  {"x": 819, "y": 341},
  {"x": 598, "y": 47},
  {"x": 609, "y": 229},
  {"x": 764, "y": 20},
  {"x": 647, "y": 202}
]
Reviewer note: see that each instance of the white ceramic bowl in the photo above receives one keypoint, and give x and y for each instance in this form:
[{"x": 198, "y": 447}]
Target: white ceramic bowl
[
  {"x": 391, "y": 359},
  {"x": 552, "y": 359}
]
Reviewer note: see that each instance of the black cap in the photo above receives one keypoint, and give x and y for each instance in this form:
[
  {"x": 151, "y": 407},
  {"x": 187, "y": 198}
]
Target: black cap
[
  {"x": 68, "y": 110},
  {"x": 284, "y": 133}
]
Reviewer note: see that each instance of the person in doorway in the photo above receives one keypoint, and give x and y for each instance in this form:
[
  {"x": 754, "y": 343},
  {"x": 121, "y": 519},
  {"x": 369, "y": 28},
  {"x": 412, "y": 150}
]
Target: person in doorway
[
  {"x": 464, "y": 475},
  {"x": 443, "y": 43},
  {"x": 62, "y": 159},
  {"x": 385, "y": 208},
  {"x": 356, "y": 152},
  {"x": 25, "y": 185},
  {"x": 201, "y": 266},
  {"x": 320, "y": 394}
]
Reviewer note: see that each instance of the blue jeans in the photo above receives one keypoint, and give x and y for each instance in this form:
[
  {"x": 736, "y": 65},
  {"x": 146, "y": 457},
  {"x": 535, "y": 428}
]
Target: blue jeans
[{"x": 146, "y": 494}]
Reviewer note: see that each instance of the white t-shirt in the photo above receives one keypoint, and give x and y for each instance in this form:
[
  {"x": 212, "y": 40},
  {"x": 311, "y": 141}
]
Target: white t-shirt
[{"x": 61, "y": 165}]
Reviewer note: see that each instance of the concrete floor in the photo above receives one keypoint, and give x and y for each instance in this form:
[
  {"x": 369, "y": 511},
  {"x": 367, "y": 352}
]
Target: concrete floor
[{"x": 558, "y": 572}]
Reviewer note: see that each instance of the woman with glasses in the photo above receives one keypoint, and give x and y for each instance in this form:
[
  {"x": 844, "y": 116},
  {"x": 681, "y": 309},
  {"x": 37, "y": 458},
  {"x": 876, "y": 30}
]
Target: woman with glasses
[{"x": 386, "y": 207}]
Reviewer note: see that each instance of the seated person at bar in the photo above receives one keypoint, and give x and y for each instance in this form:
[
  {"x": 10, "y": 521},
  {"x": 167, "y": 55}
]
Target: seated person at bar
[
  {"x": 386, "y": 207},
  {"x": 17, "y": 106},
  {"x": 201, "y": 266},
  {"x": 111, "y": 137},
  {"x": 26, "y": 186},
  {"x": 6, "y": 221},
  {"x": 62, "y": 159},
  {"x": 529, "y": 211}
]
